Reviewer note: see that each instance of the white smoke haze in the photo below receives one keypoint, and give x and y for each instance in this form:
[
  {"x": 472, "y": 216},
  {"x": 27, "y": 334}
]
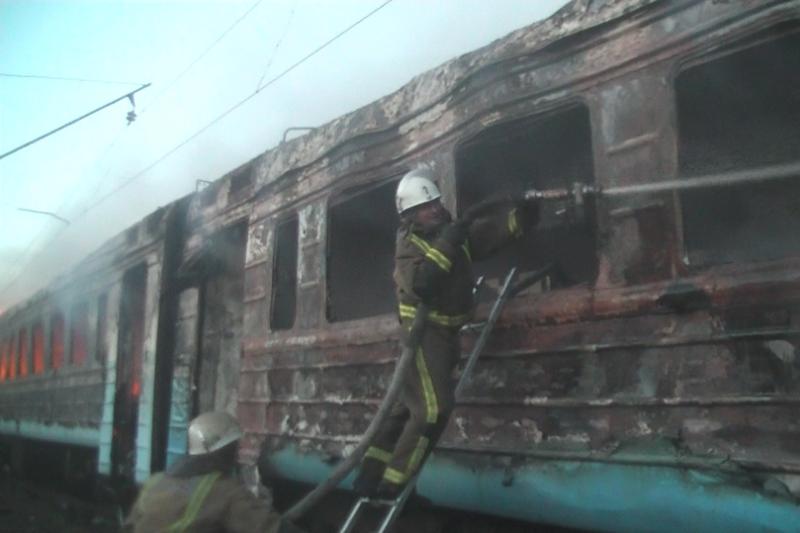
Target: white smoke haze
[{"x": 142, "y": 41}]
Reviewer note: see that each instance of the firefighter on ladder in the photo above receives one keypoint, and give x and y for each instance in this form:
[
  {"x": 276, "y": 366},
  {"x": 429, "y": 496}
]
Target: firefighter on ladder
[
  {"x": 433, "y": 259},
  {"x": 199, "y": 494}
]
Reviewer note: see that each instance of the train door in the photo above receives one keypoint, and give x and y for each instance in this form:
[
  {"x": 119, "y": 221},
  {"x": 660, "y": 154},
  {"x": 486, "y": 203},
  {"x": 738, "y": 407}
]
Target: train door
[
  {"x": 129, "y": 372},
  {"x": 221, "y": 310},
  {"x": 208, "y": 333}
]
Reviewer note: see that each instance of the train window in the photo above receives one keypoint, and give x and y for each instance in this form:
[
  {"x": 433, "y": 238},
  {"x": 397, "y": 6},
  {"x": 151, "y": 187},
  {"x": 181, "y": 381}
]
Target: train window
[
  {"x": 361, "y": 242},
  {"x": 102, "y": 328},
  {"x": 22, "y": 351},
  {"x": 12, "y": 358},
  {"x": 284, "y": 275},
  {"x": 79, "y": 329},
  {"x": 38, "y": 348},
  {"x": 3, "y": 359},
  {"x": 56, "y": 340},
  {"x": 741, "y": 111},
  {"x": 553, "y": 150}
]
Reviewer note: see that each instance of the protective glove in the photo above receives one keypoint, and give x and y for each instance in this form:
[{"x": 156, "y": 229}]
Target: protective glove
[
  {"x": 528, "y": 210},
  {"x": 455, "y": 233}
]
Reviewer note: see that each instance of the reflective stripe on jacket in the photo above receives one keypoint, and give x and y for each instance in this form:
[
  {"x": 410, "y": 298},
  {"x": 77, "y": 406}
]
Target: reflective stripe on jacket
[
  {"x": 209, "y": 503},
  {"x": 452, "y": 304}
]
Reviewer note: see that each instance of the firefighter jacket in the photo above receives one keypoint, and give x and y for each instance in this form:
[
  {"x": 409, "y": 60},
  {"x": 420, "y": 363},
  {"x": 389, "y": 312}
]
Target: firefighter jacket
[
  {"x": 451, "y": 302},
  {"x": 203, "y": 503}
]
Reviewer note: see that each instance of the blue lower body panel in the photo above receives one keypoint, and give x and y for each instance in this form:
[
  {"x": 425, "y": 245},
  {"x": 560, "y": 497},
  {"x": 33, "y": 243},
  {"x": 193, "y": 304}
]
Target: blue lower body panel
[{"x": 588, "y": 495}]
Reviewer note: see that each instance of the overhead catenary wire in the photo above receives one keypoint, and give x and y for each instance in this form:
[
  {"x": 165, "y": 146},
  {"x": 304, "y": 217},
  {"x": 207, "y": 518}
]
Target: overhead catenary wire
[
  {"x": 73, "y": 121},
  {"x": 278, "y": 44},
  {"x": 228, "y": 111},
  {"x": 225, "y": 113},
  {"x": 201, "y": 56},
  {"x": 66, "y": 78}
]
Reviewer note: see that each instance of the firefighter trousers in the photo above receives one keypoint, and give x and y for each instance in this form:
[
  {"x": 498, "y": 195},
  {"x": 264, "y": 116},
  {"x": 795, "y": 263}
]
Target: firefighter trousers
[{"x": 417, "y": 420}]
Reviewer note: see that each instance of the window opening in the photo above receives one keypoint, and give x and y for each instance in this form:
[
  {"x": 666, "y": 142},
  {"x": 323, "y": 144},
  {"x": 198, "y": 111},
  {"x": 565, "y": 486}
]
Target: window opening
[
  {"x": 548, "y": 151},
  {"x": 284, "y": 275},
  {"x": 361, "y": 240},
  {"x": 130, "y": 345},
  {"x": 22, "y": 366},
  {"x": 78, "y": 334},
  {"x": 57, "y": 340},
  {"x": 741, "y": 111},
  {"x": 239, "y": 183},
  {"x": 38, "y": 348},
  {"x": 12, "y": 358},
  {"x": 3, "y": 359},
  {"x": 102, "y": 328}
]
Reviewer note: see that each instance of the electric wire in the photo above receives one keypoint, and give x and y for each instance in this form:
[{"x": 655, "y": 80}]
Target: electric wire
[
  {"x": 278, "y": 44},
  {"x": 201, "y": 56},
  {"x": 224, "y": 114},
  {"x": 65, "y": 78}
]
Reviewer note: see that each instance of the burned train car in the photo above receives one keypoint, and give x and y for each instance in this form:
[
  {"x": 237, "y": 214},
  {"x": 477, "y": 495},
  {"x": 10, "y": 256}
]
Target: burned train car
[{"x": 647, "y": 383}]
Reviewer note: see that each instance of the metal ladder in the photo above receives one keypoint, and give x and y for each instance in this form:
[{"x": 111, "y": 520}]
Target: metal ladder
[{"x": 394, "y": 507}]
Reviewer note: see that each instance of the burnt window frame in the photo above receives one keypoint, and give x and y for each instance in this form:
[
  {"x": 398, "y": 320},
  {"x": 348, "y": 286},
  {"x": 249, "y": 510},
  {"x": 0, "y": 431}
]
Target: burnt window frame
[
  {"x": 712, "y": 51},
  {"x": 591, "y": 209},
  {"x": 336, "y": 199},
  {"x": 56, "y": 317},
  {"x": 5, "y": 348},
  {"x": 38, "y": 326},
  {"x": 101, "y": 329},
  {"x": 290, "y": 217},
  {"x": 23, "y": 351},
  {"x": 79, "y": 322}
]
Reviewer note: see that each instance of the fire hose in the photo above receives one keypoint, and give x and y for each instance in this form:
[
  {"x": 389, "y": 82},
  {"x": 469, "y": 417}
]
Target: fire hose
[
  {"x": 351, "y": 461},
  {"x": 575, "y": 194},
  {"x": 401, "y": 368}
]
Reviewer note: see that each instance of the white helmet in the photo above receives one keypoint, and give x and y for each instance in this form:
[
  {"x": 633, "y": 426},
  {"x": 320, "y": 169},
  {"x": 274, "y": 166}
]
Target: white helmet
[
  {"x": 416, "y": 188},
  {"x": 211, "y": 431}
]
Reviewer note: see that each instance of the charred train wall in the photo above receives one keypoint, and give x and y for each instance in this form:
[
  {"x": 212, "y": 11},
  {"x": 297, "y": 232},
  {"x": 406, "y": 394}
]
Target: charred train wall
[{"x": 660, "y": 353}]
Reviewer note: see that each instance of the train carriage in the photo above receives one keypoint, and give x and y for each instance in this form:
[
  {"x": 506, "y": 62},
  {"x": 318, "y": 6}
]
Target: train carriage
[{"x": 646, "y": 383}]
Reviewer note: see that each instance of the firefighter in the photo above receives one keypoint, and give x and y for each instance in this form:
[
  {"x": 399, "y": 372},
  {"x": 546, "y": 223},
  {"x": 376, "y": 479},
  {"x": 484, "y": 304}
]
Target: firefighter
[
  {"x": 433, "y": 259},
  {"x": 200, "y": 493}
]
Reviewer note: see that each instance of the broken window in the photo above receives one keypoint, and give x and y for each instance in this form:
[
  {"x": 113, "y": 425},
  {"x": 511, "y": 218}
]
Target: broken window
[
  {"x": 78, "y": 334},
  {"x": 361, "y": 239},
  {"x": 12, "y": 358},
  {"x": 38, "y": 348},
  {"x": 102, "y": 328},
  {"x": 553, "y": 150},
  {"x": 3, "y": 359},
  {"x": 22, "y": 366},
  {"x": 240, "y": 183},
  {"x": 57, "y": 340},
  {"x": 736, "y": 112},
  {"x": 284, "y": 275}
]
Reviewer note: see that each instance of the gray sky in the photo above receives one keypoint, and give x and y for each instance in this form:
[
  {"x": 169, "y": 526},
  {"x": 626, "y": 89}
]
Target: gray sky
[{"x": 150, "y": 41}]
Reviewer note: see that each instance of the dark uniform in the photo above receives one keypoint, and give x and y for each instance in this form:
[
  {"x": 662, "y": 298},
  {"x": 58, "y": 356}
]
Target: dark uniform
[
  {"x": 437, "y": 269},
  {"x": 199, "y": 499}
]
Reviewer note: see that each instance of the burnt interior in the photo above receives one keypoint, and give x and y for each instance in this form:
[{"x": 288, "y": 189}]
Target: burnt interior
[
  {"x": 129, "y": 370},
  {"x": 3, "y": 360},
  {"x": 741, "y": 111},
  {"x": 79, "y": 334},
  {"x": 549, "y": 151},
  {"x": 284, "y": 275},
  {"x": 101, "y": 350},
  {"x": 22, "y": 367},
  {"x": 361, "y": 237},
  {"x": 37, "y": 348},
  {"x": 56, "y": 340},
  {"x": 222, "y": 291}
]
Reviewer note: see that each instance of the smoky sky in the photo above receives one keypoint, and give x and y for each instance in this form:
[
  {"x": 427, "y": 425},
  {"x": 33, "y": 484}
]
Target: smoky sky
[{"x": 138, "y": 42}]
